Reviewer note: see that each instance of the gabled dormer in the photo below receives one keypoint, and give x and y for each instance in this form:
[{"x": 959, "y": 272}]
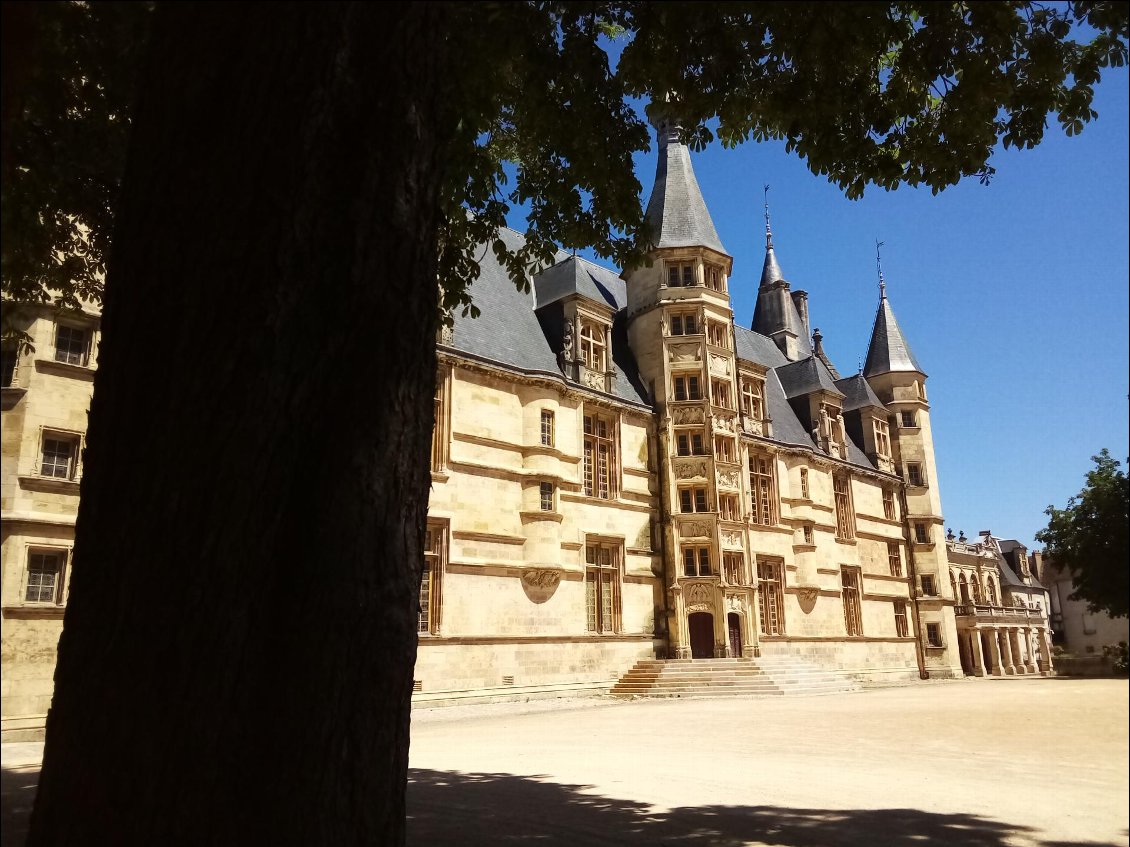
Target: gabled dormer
[{"x": 866, "y": 421}]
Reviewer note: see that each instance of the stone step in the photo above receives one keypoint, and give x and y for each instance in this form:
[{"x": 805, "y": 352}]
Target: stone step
[{"x": 736, "y": 677}]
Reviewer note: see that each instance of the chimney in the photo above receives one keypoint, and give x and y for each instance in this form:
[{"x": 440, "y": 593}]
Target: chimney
[{"x": 800, "y": 300}]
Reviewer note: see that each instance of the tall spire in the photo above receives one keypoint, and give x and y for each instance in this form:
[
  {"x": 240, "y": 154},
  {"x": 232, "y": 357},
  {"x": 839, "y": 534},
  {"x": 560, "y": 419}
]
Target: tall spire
[
  {"x": 768, "y": 229},
  {"x": 879, "y": 266},
  {"x": 676, "y": 210},
  {"x": 776, "y": 314},
  {"x": 888, "y": 350}
]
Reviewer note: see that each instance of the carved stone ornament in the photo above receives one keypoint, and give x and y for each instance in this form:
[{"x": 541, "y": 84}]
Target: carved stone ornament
[
  {"x": 808, "y": 595},
  {"x": 446, "y": 335},
  {"x": 594, "y": 379},
  {"x": 719, "y": 364},
  {"x": 734, "y": 601},
  {"x": 692, "y": 469},
  {"x": 722, "y": 423},
  {"x": 731, "y": 538},
  {"x": 540, "y": 585},
  {"x": 728, "y": 479},
  {"x": 687, "y": 415},
  {"x": 698, "y": 598},
  {"x": 684, "y": 353},
  {"x": 694, "y": 529}
]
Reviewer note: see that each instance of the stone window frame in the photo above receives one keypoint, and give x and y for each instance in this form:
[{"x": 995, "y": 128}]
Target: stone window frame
[
  {"x": 933, "y": 636},
  {"x": 902, "y": 624},
  {"x": 679, "y": 273},
  {"x": 765, "y": 506},
  {"x": 548, "y": 428},
  {"x": 729, "y": 507},
  {"x": 73, "y": 344},
  {"x": 908, "y": 419},
  {"x": 62, "y": 556},
  {"x": 592, "y": 348},
  {"x": 894, "y": 558},
  {"x": 771, "y": 595},
  {"x": 603, "y": 484},
  {"x": 693, "y": 499},
  {"x": 441, "y": 428},
  {"x": 726, "y": 449},
  {"x": 683, "y": 323},
  {"x": 890, "y": 510},
  {"x": 915, "y": 475},
  {"x": 805, "y": 490},
  {"x": 547, "y": 492},
  {"x": 714, "y": 277},
  {"x": 845, "y": 510},
  {"x": 851, "y": 593},
  {"x": 720, "y": 394},
  {"x": 697, "y": 560},
  {"x": 928, "y": 585},
  {"x": 686, "y": 387},
  {"x": 921, "y": 533},
  {"x": 882, "y": 437},
  {"x": 717, "y": 334},
  {"x": 604, "y": 558},
  {"x": 430, "y": 599},
  {"x": 73, "y": 469},
  {"x": 733, "y": 567},
  {"x": 693, "y": 438}
]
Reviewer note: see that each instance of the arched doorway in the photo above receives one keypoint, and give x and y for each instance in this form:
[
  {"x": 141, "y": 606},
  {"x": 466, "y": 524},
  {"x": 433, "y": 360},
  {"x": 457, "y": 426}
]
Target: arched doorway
[
  {"x": 701, "y": 626},
  {"x": 734, "y": 633}
]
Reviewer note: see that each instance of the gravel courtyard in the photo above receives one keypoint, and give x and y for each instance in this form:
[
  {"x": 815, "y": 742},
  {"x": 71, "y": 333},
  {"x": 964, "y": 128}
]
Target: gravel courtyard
[{"x": 975, "y": 763}]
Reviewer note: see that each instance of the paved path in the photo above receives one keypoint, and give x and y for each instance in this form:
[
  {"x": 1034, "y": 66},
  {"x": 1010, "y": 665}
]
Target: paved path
[
  {"x": 1000, "y": 763},
  {"x": 978, "y": 763}
]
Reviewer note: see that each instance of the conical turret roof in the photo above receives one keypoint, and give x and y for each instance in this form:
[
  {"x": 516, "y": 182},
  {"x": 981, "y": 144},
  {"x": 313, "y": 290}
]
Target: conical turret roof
[
  {"x": 888, "y": 350},
  {"x": 676, "y": 210}
]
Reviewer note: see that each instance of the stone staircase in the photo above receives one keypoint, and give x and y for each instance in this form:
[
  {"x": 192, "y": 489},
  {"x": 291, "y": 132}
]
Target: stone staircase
[{"x": 765, "y": 677}]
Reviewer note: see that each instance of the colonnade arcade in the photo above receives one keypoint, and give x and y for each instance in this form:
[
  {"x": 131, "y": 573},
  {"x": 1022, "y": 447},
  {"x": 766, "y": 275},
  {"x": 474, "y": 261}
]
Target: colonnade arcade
[{"x": 1003, "y": 650}]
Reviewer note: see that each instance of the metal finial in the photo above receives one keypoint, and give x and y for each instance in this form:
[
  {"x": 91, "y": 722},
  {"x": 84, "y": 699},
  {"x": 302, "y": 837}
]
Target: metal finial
[
  {"x": 768, "y": 230},
  {"x": 879, "y": 265}
]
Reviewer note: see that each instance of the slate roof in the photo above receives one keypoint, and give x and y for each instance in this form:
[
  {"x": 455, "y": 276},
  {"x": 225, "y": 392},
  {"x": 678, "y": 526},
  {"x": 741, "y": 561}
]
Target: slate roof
[
  {"x": 888, "y": 350},
  {"x": 806, "y": 376},
  {"x": 580, "y": 276},
  {"x": 857, "y": 393},
  {"x": 509, "y": 333},
  {"x": 676, "y": 210},
  {"x": 775, "y": 308}
]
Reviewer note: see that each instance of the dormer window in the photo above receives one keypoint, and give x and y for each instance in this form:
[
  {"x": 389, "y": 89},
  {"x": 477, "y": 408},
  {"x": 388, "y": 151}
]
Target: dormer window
[
  {"x": 680, "y": 275},
  {"x": 882, "y": 438},
  {"x": 684, "y": 324},
  {"x": 592, "y": 346}
]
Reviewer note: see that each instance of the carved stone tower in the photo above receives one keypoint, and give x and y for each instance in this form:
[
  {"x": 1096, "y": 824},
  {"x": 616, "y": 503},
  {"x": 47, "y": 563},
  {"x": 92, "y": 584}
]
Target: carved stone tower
[
  {"x": 900, "y": 383},
  {"x": 680, "y": 327}
]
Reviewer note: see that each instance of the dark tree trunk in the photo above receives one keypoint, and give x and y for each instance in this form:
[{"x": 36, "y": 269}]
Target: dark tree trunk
[{"x": 236, "y": 662}]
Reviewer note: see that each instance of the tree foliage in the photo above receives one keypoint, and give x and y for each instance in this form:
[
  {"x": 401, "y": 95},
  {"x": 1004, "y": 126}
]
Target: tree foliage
[
  {"x": 1089, "y": 538},
  {"x": 68, "y": 89},
  {"x": 875, "y": 94}
]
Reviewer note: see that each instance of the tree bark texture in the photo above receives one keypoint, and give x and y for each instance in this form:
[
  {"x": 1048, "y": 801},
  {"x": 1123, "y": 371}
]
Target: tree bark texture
[{"x": 237, "y": 655}]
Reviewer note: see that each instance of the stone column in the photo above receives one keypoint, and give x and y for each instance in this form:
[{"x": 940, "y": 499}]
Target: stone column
[
  {"x": 995, "y": 652},
  {"x": 1006, "y": 652},
  {"x": 1030, "y": 661},
  {"x": 1045, "y": 654},
  {"x": 975, "y": 652},
  {"x": 1014, "y": 643},
  {"x": 682, "y": 641}
]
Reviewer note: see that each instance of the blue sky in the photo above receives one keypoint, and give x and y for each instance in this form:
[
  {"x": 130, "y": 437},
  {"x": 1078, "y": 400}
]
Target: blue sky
[{"x": 1013, "y": 297}]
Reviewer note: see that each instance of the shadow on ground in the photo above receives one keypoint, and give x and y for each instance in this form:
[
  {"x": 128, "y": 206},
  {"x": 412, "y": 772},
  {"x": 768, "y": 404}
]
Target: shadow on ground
[
  {"x": 17, "y": 794},
  {"x": 472, "y": 809}
]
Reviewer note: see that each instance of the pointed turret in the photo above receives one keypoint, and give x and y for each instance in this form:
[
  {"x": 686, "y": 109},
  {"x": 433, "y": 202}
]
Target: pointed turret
[
  {"x": 776, "y": 315},
  {"x": 676, "y": 211},
  {"x": 888, "y": 351}
]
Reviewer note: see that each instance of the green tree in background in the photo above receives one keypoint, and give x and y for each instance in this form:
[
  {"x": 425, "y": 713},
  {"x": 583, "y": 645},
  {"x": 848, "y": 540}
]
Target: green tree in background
[{"x": 1088, "y": 539}]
